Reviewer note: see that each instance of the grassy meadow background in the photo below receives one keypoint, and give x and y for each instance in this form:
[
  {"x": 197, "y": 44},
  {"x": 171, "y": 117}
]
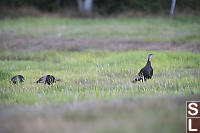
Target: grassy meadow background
[
  {"x": 182, "y": 29},
  {"x": 96, "y": 60},
  {"x": 94, "y": 75}
]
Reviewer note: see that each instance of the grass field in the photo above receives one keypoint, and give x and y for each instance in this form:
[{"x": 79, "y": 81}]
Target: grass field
[
  {"x": 160, "y": 29},
  {"x": 96, "y": 60},
  {"x": 142, "y": 115},
  {"x": 94, "y": 75}
]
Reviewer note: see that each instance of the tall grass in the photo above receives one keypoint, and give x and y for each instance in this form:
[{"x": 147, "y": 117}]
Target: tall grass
[{"x": 96, "y": 75}]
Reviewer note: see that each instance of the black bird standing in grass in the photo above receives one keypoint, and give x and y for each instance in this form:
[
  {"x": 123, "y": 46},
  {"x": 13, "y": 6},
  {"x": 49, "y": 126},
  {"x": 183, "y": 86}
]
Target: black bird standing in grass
[
  {"x": 48, "y": 79},
  {"x": 17, "y": 79},
  {"x": 146, "y": 72}
]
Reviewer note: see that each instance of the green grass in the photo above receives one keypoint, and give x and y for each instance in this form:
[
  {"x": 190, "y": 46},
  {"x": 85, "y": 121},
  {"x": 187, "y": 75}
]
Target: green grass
[
  {"x": 142, "y": 115},
  {"x": 96, "y": 86},
  {"x": 98, "y": 74},
  {"x": 162, "y": 30},
  {"x": 93, "y": 75}
]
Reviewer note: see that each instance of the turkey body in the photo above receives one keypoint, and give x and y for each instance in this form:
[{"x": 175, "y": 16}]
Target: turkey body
[
  {"x": 48, "y": 79},
  {"x": 146, "y": 72},
  {"x": 17, "y": 79}
]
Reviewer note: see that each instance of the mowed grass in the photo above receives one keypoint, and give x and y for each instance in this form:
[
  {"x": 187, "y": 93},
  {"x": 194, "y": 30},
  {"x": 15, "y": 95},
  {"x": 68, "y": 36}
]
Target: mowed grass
[
  {"x": 162, "y": 30},
  {"x": 93, "y": 75}
]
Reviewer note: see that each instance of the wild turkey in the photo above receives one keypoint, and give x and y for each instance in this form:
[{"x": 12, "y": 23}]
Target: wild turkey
[
  {"x": 17, "y": 79},
  {"x": 146, "y": 72},
  {"x": 48, "y": 79}
]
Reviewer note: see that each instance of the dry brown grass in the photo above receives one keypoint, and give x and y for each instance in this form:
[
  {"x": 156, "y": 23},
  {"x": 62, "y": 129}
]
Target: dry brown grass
[{"x": 17, "y": 42}]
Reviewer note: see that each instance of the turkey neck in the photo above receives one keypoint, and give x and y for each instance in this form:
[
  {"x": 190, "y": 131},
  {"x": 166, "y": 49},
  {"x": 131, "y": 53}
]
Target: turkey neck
[{"x": 148, "y": 61}]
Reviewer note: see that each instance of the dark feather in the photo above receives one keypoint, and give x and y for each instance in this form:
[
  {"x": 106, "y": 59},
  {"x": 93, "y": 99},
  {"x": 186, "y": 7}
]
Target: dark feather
[
  {"x": 17, "y": 79},
  {"x": 48, "y": 79},
  {"x": 146, "y": 72}
]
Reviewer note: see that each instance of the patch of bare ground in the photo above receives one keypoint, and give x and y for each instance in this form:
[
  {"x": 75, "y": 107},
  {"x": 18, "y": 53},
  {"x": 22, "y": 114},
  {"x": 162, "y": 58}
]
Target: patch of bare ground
[
  {"x": 19, "y": 42},
  {"x": 161, "y": 114}
]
